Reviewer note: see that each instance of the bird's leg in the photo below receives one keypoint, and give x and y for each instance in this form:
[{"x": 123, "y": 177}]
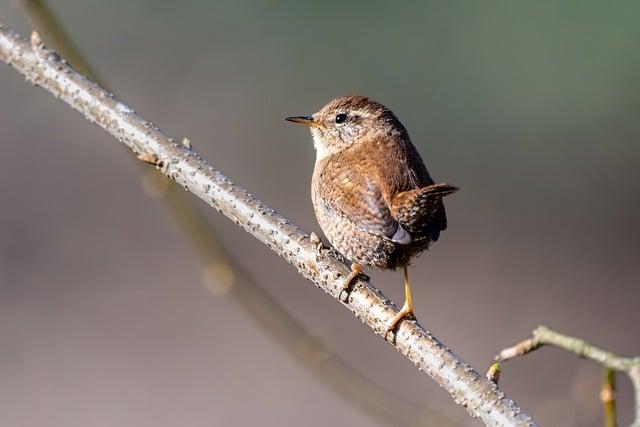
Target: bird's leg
[
  {"x": 407, "y": 308},
  {"x": 356, "y": 270}
]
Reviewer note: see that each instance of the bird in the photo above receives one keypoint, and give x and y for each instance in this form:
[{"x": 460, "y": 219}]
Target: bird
[{"x": 372, "y": 194}]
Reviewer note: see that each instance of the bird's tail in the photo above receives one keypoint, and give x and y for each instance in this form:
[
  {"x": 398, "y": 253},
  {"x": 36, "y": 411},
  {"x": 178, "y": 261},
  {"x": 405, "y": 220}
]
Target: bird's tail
[
  {"x": 440, "y": 190},
  {"x": 421, "y": 211}
]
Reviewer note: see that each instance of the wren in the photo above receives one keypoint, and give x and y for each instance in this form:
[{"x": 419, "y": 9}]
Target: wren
[{"x": 372, "y": 194}]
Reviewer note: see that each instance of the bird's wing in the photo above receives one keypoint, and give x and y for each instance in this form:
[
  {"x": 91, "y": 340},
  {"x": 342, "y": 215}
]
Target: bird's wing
[{"x": 355, "y": 196}]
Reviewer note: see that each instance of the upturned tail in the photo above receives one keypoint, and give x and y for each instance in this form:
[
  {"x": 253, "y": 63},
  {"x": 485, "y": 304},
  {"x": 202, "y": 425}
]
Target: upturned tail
[{"x": 421, "y": 211}]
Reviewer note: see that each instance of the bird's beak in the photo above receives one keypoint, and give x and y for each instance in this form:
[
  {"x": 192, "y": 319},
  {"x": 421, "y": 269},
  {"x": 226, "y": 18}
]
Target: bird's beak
[{"x": 304, "y": 120}]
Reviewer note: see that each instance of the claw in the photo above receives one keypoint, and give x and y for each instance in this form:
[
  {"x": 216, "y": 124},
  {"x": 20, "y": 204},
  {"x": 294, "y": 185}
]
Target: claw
[
  {"x": 313, "y": 238},
  {"x": 151, "y": 159},
  {"x": 356, "y": 270}
]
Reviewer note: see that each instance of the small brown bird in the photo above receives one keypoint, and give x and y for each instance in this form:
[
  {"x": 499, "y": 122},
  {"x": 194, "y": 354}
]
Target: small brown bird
[{"x": 371, "y": 192}]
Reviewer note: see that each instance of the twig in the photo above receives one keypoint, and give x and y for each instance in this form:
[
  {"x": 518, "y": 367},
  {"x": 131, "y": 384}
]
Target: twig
[
  {"x": 545, "y": 336},
  {"x": 44, "y": 68},
  {"x": 222, "y": 274}
]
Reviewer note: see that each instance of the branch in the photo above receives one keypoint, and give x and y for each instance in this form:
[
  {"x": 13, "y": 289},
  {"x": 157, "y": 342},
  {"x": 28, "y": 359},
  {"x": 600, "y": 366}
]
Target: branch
[
  {"x": 545, "y": 336},
  {"x": 45, "y": 68},
  {"x": 221, "y": 269}
]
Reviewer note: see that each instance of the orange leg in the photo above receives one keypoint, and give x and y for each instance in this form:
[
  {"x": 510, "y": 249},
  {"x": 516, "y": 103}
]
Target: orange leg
[
  {"x": 407, "y": 308},
  {"x": 356, "y": 270}
]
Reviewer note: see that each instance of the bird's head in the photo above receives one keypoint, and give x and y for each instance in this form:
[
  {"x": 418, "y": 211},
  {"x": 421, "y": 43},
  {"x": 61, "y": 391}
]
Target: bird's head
[{"x": 349, "y": 120}]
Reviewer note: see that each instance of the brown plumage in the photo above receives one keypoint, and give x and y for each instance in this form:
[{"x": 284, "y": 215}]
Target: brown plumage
[{"x": 372, "y": 194}]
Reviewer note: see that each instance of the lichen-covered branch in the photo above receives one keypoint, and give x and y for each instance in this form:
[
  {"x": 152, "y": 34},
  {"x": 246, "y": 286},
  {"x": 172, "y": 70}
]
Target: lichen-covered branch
[
  {"x": 544, "y": 336},
  {"x": 45, "y": 68}
]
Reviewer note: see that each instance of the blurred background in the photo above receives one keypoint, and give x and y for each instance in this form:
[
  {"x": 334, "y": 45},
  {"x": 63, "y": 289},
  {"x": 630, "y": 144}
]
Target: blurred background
[{"x": 530, "y": 108}]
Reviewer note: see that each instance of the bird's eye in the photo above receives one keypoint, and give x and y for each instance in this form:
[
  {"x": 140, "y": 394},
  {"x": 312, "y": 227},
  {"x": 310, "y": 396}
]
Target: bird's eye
[{"x": 341, "y": 118}]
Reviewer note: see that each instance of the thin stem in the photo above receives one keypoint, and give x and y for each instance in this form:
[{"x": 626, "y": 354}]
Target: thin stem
[
  {"x": 545, "y": 336},
  {"x": 608, "y": 398}
]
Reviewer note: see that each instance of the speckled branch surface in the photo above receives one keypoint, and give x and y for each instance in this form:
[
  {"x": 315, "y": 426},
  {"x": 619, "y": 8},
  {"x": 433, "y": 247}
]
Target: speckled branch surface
[
  {"x": 544, "y": 336},
  {"x": 45, "y": 68}
]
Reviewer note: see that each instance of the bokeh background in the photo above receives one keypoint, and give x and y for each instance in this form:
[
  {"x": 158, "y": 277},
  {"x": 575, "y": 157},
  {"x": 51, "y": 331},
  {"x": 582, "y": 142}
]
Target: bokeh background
[{"x": 531, "y": 108}]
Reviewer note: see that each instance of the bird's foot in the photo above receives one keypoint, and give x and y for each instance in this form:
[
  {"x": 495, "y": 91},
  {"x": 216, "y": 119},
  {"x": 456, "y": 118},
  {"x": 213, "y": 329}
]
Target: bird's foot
[
  {"x": 405, "y": 313},
  {"x": 314, "y": 239},
  {"x": 151, "y": 159},
  {"x": 356, "y": 270}
]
